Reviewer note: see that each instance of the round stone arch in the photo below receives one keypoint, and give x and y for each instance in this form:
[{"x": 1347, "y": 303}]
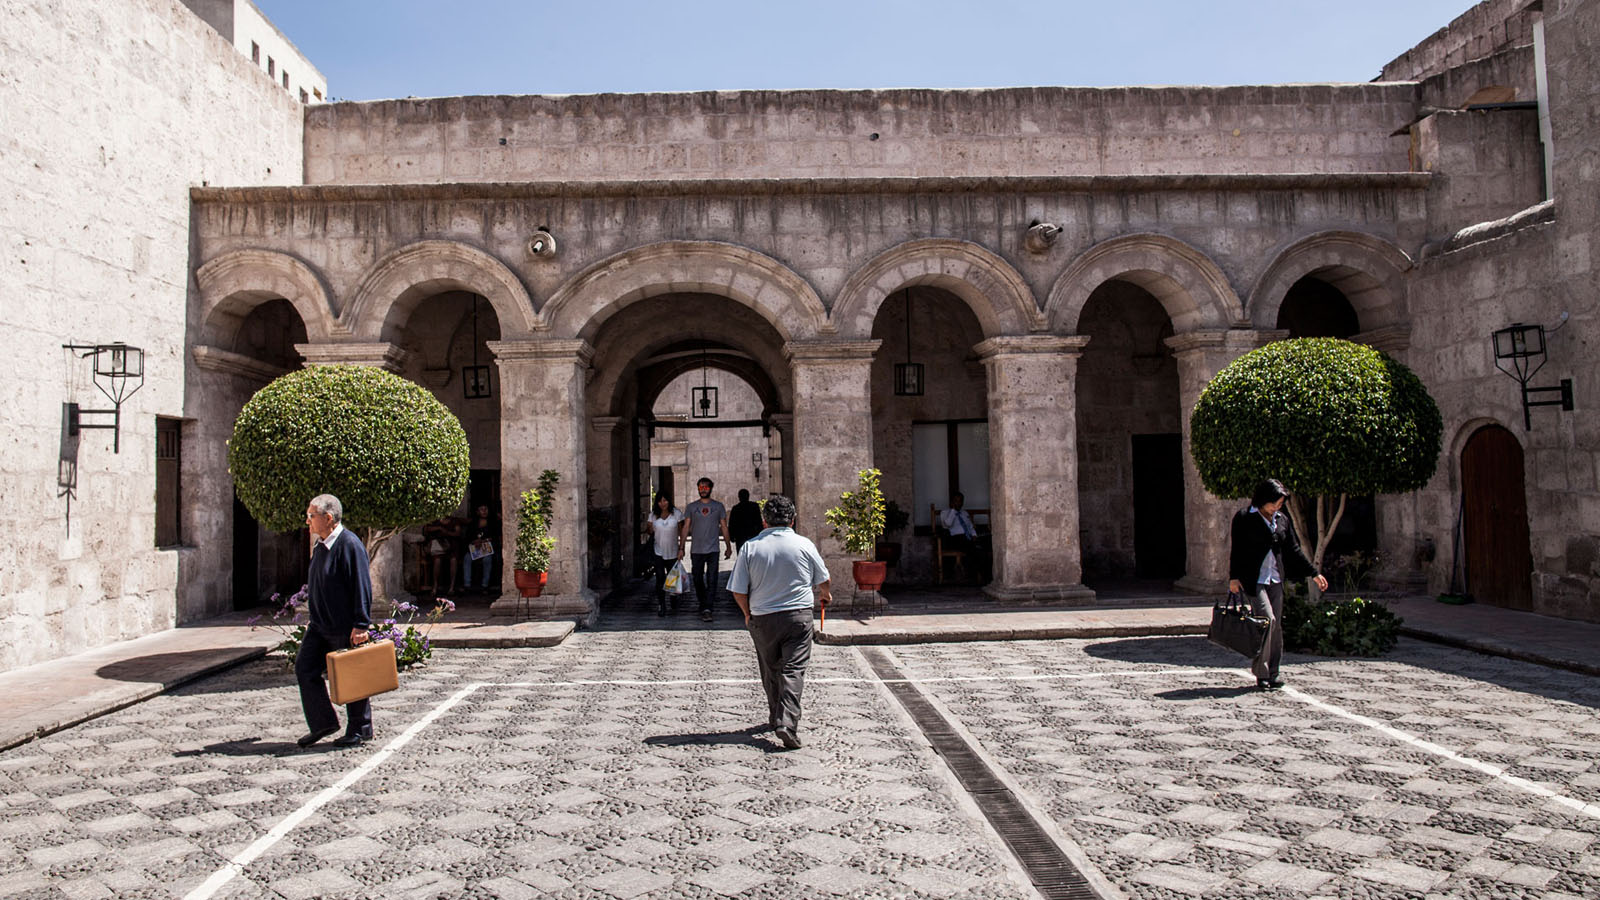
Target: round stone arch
[
  {"x": 779, "y": 295},
  {"x": 1190, "y": 287},
  {"x": 1368, "y": 270},
  {"x": 991, "y": 287},
  {"x": 394, "y": 286},
  {"x": 236, "y": 282}
]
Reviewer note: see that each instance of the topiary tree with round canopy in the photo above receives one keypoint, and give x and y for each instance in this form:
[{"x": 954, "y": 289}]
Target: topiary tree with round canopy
[
  {"x": 1327, "y": 417},
  {"x": 387, "y": 448}
]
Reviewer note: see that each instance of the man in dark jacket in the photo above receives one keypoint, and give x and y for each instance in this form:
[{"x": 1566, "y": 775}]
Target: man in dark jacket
[
  {"x": 340, "y": 605},
  {"x": 744, "y": 520},
  {"x": 1264, "y": 552}
]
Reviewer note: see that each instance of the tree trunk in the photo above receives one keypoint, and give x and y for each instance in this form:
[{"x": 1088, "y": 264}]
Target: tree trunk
[
  {"x": 386, "y": 567},
  {"x": 1325, "y": 525}
]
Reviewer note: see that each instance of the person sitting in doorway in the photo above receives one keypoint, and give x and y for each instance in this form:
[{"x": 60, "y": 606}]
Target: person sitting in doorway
[
  {"x": 437, "y": 558},
  {"x": 477, "y": 563},
  {"x": 963, "y": 535}
]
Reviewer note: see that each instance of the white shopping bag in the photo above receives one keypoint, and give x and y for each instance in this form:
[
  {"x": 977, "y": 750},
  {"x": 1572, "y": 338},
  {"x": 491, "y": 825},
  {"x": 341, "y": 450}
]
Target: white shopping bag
[{"x": 677, "y": 579}]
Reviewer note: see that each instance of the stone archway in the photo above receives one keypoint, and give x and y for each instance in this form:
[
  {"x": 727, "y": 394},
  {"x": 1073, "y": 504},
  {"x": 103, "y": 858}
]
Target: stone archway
[
  {"x": 1367, "y": 270},
  {"x": 993, "y": 289},
  {"x": 1190, "y": 286},
  {"x": 234, "y": 283},
  {"x": 579, "y": 307},
  {"x": 392, "y": 288}
]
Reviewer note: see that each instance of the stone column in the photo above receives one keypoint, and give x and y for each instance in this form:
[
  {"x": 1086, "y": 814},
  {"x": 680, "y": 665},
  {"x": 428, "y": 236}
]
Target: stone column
[
  {"x": 543, "y": 425},
  {"x": 1033, "y": 468},
  {"x": 388, "y": 561},
  {"x": 382, "y": 354},
  {"x": 1201, "y": 355},
  {"x": 610, "y": 484},
  {"x": 832, "y": 442}
]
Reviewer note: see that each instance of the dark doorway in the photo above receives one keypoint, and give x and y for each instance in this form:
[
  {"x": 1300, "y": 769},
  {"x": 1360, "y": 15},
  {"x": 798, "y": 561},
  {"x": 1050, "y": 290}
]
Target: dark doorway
[
  {"x": 1158, "y": 538},
  {"x": 246, "y": 557},
  {"x": 1494, "y": 520}
]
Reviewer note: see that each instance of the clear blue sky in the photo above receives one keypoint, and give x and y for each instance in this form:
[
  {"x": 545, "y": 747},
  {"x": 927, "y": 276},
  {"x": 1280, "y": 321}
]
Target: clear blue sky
[{"x": 374, "y": 49}]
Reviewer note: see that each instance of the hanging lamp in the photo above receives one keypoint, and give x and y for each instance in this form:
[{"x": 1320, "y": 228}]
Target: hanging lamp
[
  {"x": 908, "y": 375},
  {"x": 703, "y": 399},
  {"x": 475, "y": 378}
]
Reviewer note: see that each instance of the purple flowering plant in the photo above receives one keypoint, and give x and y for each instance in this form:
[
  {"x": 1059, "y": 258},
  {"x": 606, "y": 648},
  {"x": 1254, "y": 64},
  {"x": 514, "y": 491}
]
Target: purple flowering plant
[{"x": 411, "y": 644}]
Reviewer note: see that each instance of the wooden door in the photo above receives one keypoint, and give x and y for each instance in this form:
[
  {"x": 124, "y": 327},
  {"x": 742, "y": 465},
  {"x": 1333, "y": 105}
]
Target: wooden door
[{"x": 1494, "y": 520}]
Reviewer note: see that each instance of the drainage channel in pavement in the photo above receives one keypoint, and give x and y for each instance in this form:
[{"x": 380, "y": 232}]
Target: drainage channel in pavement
[{"x": 1053, "y": 874}]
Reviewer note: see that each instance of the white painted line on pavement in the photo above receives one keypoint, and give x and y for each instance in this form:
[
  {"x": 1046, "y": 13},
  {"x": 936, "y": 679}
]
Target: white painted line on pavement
[
  {"x": 623, "y": 682},
  {"x": 236, "y": 865},
  {"x": 1588, "y": 809}
]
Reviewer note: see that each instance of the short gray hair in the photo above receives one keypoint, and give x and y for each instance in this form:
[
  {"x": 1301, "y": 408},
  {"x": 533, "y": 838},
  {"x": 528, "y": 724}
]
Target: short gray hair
[
  {"x": 778, "y": 511},
  {"x": 328, "y": 505}
]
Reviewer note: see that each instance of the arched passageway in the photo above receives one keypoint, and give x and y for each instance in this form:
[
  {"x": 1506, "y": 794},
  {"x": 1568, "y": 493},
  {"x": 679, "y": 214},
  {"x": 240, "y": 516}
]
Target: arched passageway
[{"x": 1130, "y": 440}]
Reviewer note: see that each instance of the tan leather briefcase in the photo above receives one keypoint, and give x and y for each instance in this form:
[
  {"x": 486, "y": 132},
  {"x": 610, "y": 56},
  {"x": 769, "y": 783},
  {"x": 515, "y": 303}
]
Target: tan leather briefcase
[{"x": 361, "y": 672}]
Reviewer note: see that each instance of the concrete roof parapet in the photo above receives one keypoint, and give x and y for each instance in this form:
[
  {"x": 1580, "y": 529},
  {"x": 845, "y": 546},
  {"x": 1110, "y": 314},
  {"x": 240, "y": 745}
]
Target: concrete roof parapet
[
  {"x": 1191, "y": 287},
  {"x": 991, "y": 287}
]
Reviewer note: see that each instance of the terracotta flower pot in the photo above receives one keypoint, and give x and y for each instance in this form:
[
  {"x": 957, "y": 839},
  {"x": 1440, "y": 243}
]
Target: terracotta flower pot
[
  {"x": 869, "y": 575},
  {"x": 531, "y": 584}
]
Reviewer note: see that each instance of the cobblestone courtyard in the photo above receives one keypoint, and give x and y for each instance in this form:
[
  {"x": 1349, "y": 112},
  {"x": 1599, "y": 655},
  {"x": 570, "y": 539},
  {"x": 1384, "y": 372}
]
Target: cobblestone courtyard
[{"x": 625, "y": 764}]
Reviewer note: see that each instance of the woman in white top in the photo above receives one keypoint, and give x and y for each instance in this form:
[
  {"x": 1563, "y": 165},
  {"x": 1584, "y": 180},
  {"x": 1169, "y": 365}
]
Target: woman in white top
[{"x": 666, "y": 547}]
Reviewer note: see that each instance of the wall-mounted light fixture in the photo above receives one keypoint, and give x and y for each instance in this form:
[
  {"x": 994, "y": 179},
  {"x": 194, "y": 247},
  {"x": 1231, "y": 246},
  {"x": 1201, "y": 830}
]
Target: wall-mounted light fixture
[
  {"x": 703, "y": 399},
  {"x": 908, "y": 375},
  {"x": 542, "y": 243},
  {"x": 475, "y": 383},
  {"x": 1040, "y": 235},
  {"x": 755, "y": 460},
  {"x": 118, "y": 373},
  {"x": 1524, "y": 347}
]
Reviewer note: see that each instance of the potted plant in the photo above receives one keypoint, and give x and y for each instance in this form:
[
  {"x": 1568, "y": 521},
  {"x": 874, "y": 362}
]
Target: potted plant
[
  {"x": 858, "y": 521},
  {"x": 534, "y": 540},
  {"x": 894, "y": 519}
]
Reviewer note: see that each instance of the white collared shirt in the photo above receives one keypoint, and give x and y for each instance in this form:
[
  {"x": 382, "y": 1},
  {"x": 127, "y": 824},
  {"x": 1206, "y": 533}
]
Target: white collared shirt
[
  {"x": 1269, "y": 566},
  {"x": 338, "y": 528}
]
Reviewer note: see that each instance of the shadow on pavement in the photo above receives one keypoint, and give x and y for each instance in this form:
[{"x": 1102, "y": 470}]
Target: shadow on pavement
[
  {"x": 744, "y": 736},
  {"x": 248, "y": 747},
  {"x": 1187, "y": 650},
  {"x": 161, "y": 668},
  {"x": 1211, "y": 693}
]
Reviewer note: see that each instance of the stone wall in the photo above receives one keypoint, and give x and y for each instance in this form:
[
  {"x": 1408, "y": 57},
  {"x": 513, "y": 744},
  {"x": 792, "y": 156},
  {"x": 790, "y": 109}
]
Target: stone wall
[
  {"x": 887, "y": 133},
  {"x": 113, "y": 111},
  {"x": 1484, "y": 30}
]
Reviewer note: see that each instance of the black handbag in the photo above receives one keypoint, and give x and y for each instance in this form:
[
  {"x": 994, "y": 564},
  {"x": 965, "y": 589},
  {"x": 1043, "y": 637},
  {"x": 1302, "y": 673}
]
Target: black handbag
[{"x": 1233, "y": 627}]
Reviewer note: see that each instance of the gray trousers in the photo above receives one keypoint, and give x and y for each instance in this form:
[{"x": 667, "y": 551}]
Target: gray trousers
[
  {"x": 783, "y": 648},
  {"x": 1267, "y": 601}
]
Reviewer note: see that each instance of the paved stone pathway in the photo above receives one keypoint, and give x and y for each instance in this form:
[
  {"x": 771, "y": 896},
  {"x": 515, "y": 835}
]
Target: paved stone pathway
[{"x": 624, "y": 764}]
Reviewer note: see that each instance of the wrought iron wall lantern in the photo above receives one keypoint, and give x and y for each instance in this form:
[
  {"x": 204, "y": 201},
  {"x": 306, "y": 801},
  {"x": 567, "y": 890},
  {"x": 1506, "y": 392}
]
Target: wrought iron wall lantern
[
  {"x": 118, "y": 373},
  {"x": 475, "y": 384},
  {"x": 755, "y": 460},
  {"x": 1523, "y": 347},
  {"x": 703, "y": 399},
  {"x": 908, "y": 375}
]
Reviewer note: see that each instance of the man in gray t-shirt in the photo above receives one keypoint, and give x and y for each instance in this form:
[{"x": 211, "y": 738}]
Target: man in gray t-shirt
[
  {"x": 778, "y": 577},
  {"x": 703, "y": 522}
]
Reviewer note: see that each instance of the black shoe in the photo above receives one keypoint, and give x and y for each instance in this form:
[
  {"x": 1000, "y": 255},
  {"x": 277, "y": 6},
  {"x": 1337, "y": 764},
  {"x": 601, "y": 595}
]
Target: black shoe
[
  {"x": 353, "y": 738},
  {"x": 311, "y": 737},
  {"x": 1275, "y": 684},
  {"x": 1263, "y": 685},
  {"x": 705, "y": 615},
  {"x": 672, "y": 608},
  {"x": 661, "y": 610},
  {"x": 791, "y": 741}
]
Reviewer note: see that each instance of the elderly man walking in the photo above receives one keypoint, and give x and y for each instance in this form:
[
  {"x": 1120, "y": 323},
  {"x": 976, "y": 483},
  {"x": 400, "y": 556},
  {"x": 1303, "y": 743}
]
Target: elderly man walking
[
  {"x": 774, "y": 580},
  {"x": 341, "y": 614}
]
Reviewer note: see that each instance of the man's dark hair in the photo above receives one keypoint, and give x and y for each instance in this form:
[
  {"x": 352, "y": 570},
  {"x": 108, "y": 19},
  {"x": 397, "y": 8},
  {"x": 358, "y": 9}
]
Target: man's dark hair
[
  {"x": 778, "y": 511},
  {"x": 744, "y": 495},
  {"x": 1267, "y": 491},
  {"x": 958, "y": 496},
  {"x": 705, "y": 481}
]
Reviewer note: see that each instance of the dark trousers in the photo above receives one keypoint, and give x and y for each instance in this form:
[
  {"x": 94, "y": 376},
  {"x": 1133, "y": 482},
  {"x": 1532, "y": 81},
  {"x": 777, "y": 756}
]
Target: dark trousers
[
  {"x": 783, "y": 648},
  {"x": 309, "y": 668},
  {"x": 705, "y": 577},
  {"x": 662, "y": 567},
  {"x": 1267, "y": 602},
  {"x": 980, "y": 550}
]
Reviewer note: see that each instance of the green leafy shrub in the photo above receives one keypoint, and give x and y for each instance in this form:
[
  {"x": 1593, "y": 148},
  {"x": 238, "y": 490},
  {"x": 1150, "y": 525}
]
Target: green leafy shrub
[
  {"x": 859, "y": 518},
  {"x": 411, "y": 645},
  {"x": 1353, "y": 627},
  {"x": 387, "y": 448},
  {"x": 535, "y": 509}
]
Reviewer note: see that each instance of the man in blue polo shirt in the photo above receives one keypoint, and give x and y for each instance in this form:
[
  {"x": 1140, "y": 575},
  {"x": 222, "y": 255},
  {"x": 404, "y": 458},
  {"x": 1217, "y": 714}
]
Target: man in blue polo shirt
[{"x": 774, "y": 581}]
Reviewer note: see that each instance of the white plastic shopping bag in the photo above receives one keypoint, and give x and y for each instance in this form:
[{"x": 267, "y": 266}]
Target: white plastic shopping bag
[{"x": 677, "y": 578}]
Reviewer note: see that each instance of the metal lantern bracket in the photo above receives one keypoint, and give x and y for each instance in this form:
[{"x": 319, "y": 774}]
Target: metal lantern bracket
[
  {"x": 908, "y": 375},
  {"x": 116, "y": 367},
  {"x": 1524, "y": 347},
  {"x": 475, "y": 384},
  {"x": 703, "y": 399}
]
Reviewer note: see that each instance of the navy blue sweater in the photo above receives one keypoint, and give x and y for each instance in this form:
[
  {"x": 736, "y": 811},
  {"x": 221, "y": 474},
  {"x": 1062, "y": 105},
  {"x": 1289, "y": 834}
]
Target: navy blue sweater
[{"x": 341, "y": 587}]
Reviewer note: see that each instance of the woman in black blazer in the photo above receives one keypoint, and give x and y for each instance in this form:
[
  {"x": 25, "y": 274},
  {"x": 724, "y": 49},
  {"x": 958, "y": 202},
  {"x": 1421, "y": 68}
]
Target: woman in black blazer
[{"x": 1265, "y": 552}]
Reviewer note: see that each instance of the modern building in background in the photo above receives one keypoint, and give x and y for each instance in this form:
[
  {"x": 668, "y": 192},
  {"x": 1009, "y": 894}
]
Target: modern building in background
[
  {"x": 1064, "y": 269},
  {"x": 252, "y": 34}
]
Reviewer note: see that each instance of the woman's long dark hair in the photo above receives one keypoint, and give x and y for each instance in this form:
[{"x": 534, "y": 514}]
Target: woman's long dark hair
[
  {"x": 1267, "y": 491},
  {"x": 655, "y": 507}
]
